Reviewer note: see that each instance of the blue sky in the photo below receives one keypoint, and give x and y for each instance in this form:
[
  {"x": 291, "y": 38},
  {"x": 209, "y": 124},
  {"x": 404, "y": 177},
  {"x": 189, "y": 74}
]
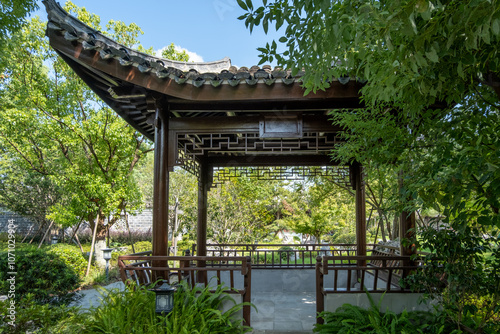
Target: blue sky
[{"x": 209, "y": 28}]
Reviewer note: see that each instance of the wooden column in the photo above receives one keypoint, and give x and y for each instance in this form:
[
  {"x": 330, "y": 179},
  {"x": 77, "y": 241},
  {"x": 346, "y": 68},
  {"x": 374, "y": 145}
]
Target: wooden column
[
  {"x": 406, "y": 225},
  {"x": 359, "y": 188},
  {"x": 161, "y": 183},
  {"x": 406, "y": 231},
  {"x": 201, "y": 235}
]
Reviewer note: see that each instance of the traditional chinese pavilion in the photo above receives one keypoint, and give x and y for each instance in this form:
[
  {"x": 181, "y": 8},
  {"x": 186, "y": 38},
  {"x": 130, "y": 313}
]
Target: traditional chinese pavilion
[{"x": 212, "y": 116}]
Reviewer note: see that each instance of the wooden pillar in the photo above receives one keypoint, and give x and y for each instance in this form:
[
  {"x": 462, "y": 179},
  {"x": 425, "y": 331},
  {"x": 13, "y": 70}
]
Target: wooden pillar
[
  {"x": 406, "y": 231},
  {"x": 406, "y": 225},
  {"x": 201, "y": 235},
  {"x": 359, "y": 188},
  {"x": 161, "y": 183}
]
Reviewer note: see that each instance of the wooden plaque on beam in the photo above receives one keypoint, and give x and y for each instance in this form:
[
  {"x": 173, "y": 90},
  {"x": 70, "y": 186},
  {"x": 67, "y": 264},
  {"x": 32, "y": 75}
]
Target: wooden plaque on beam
[{"x": 280, "y": 126}]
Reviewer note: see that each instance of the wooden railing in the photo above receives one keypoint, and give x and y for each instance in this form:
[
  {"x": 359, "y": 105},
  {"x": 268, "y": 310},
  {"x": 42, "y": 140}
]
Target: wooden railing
[
  {"x": 376, "y": 273},
  {"x": 232, "y": 272},
  {"x": 280, "y": 256}
]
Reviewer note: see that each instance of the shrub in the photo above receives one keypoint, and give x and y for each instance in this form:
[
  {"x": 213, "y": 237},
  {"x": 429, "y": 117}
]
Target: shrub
[
  {"x": 72, "y": 256},
  {"x": 261, "y": 257},
  {"x": 44, "y": 275},
  {"x": 185, "y": 244},
  {"x": 120, "y": 238},
  {"x": 143, "y": 246},
  {"x": 31, "y": 317},
  {"x": 133, "y": 311},
  {"x": 345, "y": 238},
  {"x": 462, "y": 271},
  {"x": 285, "y": 252}
]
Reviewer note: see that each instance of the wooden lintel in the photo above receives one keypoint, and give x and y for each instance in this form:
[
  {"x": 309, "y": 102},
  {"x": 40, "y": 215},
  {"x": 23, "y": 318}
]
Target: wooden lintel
[
  {"x": 220, "y": 124},
  {"x": 274, "y": 160}
]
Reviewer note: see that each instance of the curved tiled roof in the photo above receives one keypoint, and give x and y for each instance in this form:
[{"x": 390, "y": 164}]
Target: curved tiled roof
[
  {"x": 136, "y": 84},
  {"x": 197, "y": 74}
]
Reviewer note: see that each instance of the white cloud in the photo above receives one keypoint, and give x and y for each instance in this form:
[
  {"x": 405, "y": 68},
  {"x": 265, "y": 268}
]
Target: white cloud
[{"x": 193, "y": 56}]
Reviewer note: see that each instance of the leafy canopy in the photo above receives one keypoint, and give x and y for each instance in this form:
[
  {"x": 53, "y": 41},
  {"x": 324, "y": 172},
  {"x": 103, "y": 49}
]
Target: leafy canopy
[
  {"x": 412, "y": 52},
  {"x": 53, "y": 125}
]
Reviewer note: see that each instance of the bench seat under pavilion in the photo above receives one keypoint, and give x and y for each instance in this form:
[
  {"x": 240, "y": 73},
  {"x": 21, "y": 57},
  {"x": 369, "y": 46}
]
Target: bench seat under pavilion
[{"x": 215, "y": 120}]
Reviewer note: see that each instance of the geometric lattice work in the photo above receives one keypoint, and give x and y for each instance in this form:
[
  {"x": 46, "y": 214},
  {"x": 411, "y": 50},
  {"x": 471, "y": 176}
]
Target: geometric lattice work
[
  {"x": 249, "y": 142},
  {"x": 339, "y": 174}
]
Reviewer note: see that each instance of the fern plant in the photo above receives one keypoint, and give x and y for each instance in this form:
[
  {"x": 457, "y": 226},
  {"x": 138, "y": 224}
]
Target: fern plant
[
  {"x": 350, "y": 319},
  {"x": 195, "y": 310}
]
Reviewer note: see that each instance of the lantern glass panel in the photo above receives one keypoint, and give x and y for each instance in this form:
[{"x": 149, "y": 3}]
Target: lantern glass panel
[
  {"x": 164, "y": 302},
  {"x": 106, "y": 253}
]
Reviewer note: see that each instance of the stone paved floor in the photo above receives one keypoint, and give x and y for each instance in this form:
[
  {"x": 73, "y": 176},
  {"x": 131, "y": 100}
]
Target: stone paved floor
[{"x": 279, "y": 312}]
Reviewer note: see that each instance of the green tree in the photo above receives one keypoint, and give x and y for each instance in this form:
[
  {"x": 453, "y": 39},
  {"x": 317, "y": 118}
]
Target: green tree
[
  {"x": 321, "y": 207},
  {"x": 26, "y": 192},
  {"x": 246, "y": 209},
  {"x": 171, "y": 53},
  {"x": 54, "y": 125},
  {"x": 12, "y": 14},
  {"x": 412, "y": 52},
  {"x": 62, "y": 131}
]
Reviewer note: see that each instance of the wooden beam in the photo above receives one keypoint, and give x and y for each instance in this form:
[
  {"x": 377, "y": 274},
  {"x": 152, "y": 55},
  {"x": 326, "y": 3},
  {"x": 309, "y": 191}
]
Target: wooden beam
[
  {"x": 161, "y": 184},
  {"x": 305, "y": 105}
]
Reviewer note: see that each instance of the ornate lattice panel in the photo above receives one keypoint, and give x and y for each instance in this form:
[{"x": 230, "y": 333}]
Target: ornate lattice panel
[
  {"x": 189, "y": 163},
  {"x": 190, "y": 146},
  {"x": 250, "y": 142},
  {"x": 339, "y": 174}
]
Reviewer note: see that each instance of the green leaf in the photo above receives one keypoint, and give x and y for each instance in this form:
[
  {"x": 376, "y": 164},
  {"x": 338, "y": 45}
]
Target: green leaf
[
  {"x": 249, "y": 4},
  {"x": 242, "y": 4},
  {"x": 495, "y": 27},
  {"x": 420, "y": 59},
  {"x": 283, "y": 39},
  {"x": 460, "y": 70},
  {"x": 412, "y": 22},
  {"x": 432, "y": 55}
]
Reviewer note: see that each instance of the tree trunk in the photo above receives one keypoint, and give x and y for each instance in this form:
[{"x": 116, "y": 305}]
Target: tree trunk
[
  {"x": 395, "y": 231},
  {"x": 128, "y": 229},
  {"x": 78, "y": 242},
  {"x": 91, "y": 249},
  {"x": 382, "y": 229},
  {"x": 100, "y": 240},
  {"x": 38, "y": 232},
  {"x": 28, "y": 234},
  {"x": 389, "y": 230},
  {"x": 45, "y": 235}
]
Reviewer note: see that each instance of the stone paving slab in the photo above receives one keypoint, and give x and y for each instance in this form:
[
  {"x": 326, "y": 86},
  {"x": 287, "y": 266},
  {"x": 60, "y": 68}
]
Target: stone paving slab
[
  {"x": 92, "y": 297},
  {"x": 283, "y": 312}
]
